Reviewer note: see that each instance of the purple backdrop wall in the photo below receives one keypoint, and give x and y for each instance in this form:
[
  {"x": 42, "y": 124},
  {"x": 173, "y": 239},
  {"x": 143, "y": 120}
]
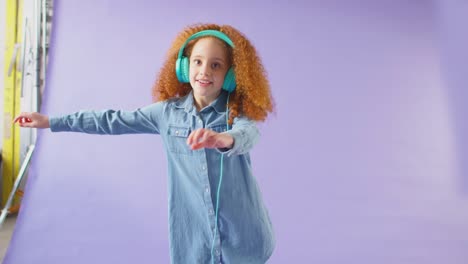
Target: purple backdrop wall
[
  {"x": 362, "y": 162},
  {"x": 453, "y": 42}
]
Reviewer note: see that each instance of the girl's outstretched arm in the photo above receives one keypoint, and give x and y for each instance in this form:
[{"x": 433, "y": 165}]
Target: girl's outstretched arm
[
  {"x": 33, "y": 120},
  {"x": 110, "y": 122}
]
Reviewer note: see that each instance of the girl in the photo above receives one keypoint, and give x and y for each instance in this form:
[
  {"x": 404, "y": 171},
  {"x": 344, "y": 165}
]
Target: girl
[{"x": 209, "y": 93}]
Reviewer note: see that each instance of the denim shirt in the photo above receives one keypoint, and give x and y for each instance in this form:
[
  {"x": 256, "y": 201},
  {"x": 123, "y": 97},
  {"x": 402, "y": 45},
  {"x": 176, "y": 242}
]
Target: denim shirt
[{"x": 245, "y": 233}]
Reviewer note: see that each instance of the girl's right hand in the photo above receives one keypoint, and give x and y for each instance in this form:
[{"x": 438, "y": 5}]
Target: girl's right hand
[{"x": 32, "y": 119}]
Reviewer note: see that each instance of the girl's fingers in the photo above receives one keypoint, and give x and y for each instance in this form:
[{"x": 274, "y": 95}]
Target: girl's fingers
[
  {"x": 32, "y": 119},
  {"x": 201, "y": 138},
  {"x": 23, "y": 117},
  {"x": 18, "y": 118},
  {"x": 206, "y": 139},
  {"x": 197, "y": 138},
  {"x": 189, "y": 139},
  {"x": 193, "y": 138},
  {"x": 22, "y": 120},
  {"x": 197, "y": 146},
  {"x": 26, "y": 125},
  {"x": 200, "y": 142}
]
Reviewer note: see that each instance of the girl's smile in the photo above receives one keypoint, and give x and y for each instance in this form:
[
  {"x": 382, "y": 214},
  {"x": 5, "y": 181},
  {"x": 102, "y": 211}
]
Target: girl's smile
[{"x": 204, "y": 83}]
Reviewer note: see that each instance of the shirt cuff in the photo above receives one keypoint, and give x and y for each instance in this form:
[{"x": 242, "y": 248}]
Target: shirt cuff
[
  {"x": 236, "y": 146},
  {"x": 57, "y": 124}
]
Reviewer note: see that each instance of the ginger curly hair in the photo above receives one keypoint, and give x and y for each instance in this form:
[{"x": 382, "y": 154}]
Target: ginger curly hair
[{"x": 251, "y": 98}]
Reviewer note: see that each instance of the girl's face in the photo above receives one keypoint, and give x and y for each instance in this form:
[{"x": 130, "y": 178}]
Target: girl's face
[{"x": 208, "y": 66}]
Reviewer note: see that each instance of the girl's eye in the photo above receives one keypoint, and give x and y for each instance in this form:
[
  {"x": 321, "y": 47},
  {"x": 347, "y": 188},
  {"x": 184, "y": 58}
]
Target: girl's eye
[
  {"x": 215, "y": 65},
  {"x": 197, "y": 62}
]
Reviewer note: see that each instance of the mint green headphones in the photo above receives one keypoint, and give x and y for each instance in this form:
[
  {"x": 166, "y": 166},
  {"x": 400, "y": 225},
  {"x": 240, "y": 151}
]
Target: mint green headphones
[{"x": 182, "y": 63}]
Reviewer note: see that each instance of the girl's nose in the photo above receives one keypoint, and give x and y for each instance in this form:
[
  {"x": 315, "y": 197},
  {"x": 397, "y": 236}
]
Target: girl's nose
[{"x": 204, "y": 70}]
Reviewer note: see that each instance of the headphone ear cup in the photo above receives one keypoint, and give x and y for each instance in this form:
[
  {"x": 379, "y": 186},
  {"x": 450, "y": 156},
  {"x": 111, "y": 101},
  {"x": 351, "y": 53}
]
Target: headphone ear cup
[
  {"x": 185, "y": 69},
  {"x": 230, "y": 81},
  {"x": 182, "y": 70}
]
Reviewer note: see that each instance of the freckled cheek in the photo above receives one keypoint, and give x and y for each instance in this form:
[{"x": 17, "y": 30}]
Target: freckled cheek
[
  {"x": 217, "y": 78},
  {"x": 192, "y": 75}
]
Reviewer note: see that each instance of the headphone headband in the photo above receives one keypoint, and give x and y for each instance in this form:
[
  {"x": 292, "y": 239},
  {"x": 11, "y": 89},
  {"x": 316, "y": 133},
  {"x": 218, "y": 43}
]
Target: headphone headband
[{"x": 204, "y": 33}]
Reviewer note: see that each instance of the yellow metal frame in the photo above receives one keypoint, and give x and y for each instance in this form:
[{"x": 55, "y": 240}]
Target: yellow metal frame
[{"x": 12, "y": 99}]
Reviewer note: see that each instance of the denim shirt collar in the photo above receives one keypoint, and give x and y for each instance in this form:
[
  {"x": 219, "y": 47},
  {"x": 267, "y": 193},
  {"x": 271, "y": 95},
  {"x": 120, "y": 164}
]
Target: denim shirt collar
[{"x": 188, "y": 103}]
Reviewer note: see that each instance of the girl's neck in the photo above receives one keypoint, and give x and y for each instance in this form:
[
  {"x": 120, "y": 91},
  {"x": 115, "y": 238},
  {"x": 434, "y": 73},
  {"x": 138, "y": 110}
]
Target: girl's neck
[{"x": 201, "y": 103}]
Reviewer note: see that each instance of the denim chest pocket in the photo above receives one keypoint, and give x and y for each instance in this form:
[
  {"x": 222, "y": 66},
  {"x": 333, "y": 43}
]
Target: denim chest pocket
[{"x": 177, "y": 140}]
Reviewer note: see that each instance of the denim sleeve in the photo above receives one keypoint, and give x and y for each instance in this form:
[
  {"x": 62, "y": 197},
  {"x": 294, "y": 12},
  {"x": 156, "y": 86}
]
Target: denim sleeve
[
  {"x": 245, "y": 134},
  {"x": 110, "y": 122}
]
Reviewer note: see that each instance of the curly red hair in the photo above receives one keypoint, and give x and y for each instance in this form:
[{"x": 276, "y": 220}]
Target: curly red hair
[{"x": 251, "y": 98}]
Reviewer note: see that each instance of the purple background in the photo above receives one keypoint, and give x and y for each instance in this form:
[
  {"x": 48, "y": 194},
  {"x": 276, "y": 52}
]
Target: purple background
[{"x": 363, "y": 162}]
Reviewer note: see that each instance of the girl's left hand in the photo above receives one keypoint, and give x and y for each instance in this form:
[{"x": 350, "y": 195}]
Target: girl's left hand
[{"x": 206, "y": 138}]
